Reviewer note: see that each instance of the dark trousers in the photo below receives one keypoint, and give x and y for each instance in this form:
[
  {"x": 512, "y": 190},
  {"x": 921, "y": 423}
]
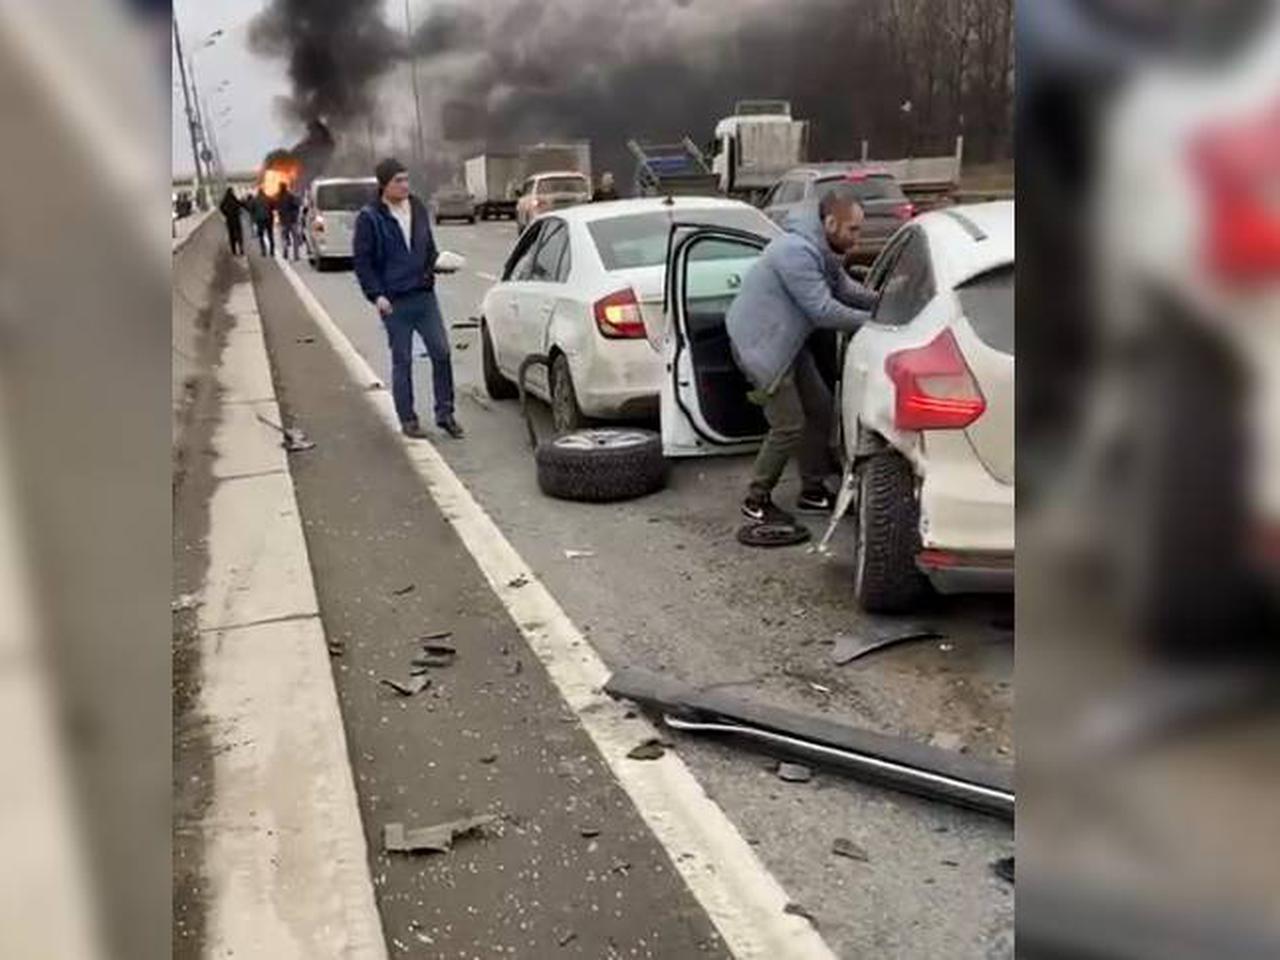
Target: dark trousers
[
  {"x": 419, "y": 312},
  {"x": 799, "y": 416},
  {"x": 266, "y": 238},
  {"x": 235, "y": 236},
  {"x": 291, "y": 237}
]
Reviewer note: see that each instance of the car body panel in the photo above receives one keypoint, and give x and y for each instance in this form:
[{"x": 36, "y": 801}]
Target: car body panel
[
  {"x": 453, "y": 203},
  {"x": 329, "y": 228},
  {"x": 544, "y": 193},
  {"x": 881, "y": 206}
]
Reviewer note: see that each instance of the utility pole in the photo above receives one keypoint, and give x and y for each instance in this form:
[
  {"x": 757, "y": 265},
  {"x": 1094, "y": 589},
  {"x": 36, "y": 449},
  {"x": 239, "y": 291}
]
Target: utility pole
[
  {"x": 191, "y": 117},
  {"x": 419, "y": 150}
]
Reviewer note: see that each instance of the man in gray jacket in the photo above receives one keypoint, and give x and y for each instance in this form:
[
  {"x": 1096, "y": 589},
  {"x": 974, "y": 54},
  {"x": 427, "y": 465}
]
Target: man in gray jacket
[{"x": 798, "y": 285}]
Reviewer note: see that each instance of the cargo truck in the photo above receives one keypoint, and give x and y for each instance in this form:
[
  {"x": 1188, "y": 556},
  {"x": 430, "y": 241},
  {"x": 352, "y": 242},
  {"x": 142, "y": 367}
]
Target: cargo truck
[
  {"x": 492, "y": 178},
  {"x": 573, "y": 156},
  {"x": 755, "y": 146}
]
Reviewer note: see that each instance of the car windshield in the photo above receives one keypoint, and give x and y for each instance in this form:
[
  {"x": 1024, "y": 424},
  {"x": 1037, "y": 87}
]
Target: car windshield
[
  {"x": 640, "y": 240},
  {"x": 344, "y": 196},
  {"x": 987, "y": 301},
  {"x": 865, "y": 188},
  {"x": 563, "y": 185}
]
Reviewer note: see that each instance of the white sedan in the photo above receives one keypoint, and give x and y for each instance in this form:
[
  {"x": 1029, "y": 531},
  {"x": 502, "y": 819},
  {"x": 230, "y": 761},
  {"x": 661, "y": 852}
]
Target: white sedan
[{"x": 579, "y": 287}]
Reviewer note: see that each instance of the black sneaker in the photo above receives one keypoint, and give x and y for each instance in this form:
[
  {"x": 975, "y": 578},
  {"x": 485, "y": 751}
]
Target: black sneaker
[
  {"x": 762, "y": 510},
  {"x": 817, "y": 500},
  {"x": 413, "y": 430},
  {"x": 452, "y": 428}
]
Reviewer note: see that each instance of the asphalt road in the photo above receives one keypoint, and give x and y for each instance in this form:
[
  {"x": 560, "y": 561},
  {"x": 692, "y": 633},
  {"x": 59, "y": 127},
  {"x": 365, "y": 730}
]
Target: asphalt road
[{"x": 667, "y": 587}]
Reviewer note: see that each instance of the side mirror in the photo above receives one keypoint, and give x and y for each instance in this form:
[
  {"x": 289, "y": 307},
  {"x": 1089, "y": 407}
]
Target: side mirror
[{"x": 450, "y": 262}]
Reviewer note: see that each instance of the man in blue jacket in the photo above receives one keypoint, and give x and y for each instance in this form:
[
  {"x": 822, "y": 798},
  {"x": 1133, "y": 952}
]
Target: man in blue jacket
[
  {"x": 395, "y": 256},
  {"x": 798, "y": 285}
]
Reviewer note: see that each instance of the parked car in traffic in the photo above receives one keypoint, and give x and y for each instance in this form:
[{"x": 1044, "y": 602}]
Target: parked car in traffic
[
  {"x": 544, "y": 192},
  {"x": 584, "y": 286},
  {"x": 453, "y": 203},
  {"x": 330, "y": 220},
  {"x": 884, "y": 204}
]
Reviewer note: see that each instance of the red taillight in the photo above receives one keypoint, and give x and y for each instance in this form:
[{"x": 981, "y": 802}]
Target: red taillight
[
  {"x": 618, "y": 316},
  {"x": 1239, "y": 167},
  {"x": 935, "y": 389},
  {"x": 904, "y": 211}
]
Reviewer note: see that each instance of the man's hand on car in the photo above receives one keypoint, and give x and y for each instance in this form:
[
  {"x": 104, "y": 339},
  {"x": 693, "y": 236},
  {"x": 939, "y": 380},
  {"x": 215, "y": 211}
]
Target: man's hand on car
[{"x": 383, "y": 305}]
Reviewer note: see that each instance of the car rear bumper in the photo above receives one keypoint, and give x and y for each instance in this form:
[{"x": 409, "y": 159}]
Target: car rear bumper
[
  {"x": 618, "y": 379},
  {"x": 327, "y": 247},
  {"x": 963, "y": 509},
  {"x": 967, "y": 572}
]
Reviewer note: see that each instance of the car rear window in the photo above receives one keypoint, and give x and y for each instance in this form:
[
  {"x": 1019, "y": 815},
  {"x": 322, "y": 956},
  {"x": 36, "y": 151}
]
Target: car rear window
[
  {"x": 344, "y": 196},
  {"x": 987, "y": 301},
  {"x": 640, "y": 240},
  {"x": 564, "y": 185},
  {"x": 865, "y": 188}
]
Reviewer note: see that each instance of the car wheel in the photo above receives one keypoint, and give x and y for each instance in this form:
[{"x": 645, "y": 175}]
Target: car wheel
[
  {"x": 498, "y": 386},
  {"x": 601, "y": 465},
  {"x": 885, "y": 577},
  {"x": 566, "y": 415}
]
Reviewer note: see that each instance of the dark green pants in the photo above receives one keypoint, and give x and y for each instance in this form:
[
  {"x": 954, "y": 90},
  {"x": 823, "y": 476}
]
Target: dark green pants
[{"x": 799, "y": 415}]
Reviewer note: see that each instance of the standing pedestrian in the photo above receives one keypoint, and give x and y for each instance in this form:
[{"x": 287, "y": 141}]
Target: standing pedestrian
[
  {"x": 395, "y": 256},
  {"x": 233, "y": 213},
  {"x": 288, "y": 208},
  {"x": 798, "y": 285},
  {"x": 607, "y": 189},
  {"x": 262, "y": 211}
]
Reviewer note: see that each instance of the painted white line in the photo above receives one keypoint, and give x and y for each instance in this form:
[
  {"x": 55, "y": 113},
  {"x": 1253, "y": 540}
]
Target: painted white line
[
  {"x": 486, "y": 276},
  {"x": 738, "y": 893},
  {"x": 285, "y": 855}
]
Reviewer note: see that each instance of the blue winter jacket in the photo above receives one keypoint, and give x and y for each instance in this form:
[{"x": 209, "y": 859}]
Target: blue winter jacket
[
  {"x": 798, "y": 284},
  {"x": 384, "y": 266}
]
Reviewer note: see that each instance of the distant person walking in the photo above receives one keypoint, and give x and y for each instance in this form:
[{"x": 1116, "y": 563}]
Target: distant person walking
[
  {"x": 233, "y": 213},
  {"x": 262, "y": 211},
  {"x": 395, "y": 256},
  {"x": 289, "y": 208}
]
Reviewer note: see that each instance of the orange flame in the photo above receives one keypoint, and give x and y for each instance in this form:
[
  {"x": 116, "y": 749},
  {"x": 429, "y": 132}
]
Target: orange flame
[{"x": 279, "y": 175}]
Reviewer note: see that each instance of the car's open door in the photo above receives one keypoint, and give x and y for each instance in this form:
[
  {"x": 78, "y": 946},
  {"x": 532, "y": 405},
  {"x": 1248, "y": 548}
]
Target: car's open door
[{"x": 704, "y": 404}]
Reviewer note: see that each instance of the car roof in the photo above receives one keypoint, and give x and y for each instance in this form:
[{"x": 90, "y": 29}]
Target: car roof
[
  {"x": 325, "y": 181},
  {"x": 557, "y": 173},
  {"x": 590, "y": 212},
  {"x": 970, "y": 238}
]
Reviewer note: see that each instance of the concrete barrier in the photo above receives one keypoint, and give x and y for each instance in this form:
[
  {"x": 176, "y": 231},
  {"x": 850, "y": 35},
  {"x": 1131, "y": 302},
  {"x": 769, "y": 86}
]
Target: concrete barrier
[{"x": 195, "y": 263}]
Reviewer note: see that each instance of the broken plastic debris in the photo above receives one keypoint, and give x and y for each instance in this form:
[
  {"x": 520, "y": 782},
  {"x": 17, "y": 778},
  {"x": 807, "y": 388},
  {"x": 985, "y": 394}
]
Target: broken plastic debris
[
  {"x": 295, "y": 441},
  {"x": 415, "y": 685},
  {"x": 578, "y": 554},
  {"x": 844, "y": 847},
  {"x": 798, "y": 911},
  {"x": 566, "y": 938},
  {"x": 306, "y": 339},
  {"x": 876, "y": 637},
  {"x": 589, "y": 832},
  {"x": 651, "y": 749},
  {"x": 407, "y": 589},
  {"x": 794, "y": 772},
  {"x": 489, "y": 758},
  {"x": 517, "y": 582},
  {"x": 437, "y": 839},
  {"x": 819, "y": 687},
  {"x": 438, "y": 635}
]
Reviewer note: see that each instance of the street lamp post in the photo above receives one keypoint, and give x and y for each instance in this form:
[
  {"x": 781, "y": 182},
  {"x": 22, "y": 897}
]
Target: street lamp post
[
  {"x": 191, "y": 116},
  {"x": 419, "y": 148}
]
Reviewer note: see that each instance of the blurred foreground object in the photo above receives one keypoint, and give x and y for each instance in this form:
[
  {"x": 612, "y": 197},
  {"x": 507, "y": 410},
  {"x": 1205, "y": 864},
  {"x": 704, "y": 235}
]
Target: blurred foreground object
[
  {"x": 1149, "y": 417},
  {"x": 83, "y": 364}
]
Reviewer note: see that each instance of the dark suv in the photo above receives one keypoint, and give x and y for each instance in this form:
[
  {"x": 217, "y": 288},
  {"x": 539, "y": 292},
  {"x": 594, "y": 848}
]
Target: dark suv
[{"x": 886, "y": 206}]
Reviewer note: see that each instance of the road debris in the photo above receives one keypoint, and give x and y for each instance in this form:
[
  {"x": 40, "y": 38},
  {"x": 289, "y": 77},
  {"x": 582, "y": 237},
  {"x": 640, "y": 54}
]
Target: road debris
[
  {"x": 436, "y": 839},
  {"x": 471, "y": 323},
  {"x": 295, "y": 441},
  {"x": 414, "y": 687},
  {"x": 405, "y": 590},
  {"x": 1003, "y": 868},
  {"x": 437, "y": 635},
  {"x": 589, "y": 832},
  {"x": 489, "y": 758},
  {"x": 566, "y": 938},
  {"x": 305, "y": 340},
  {"x": 849, "y": 647},
  {"x": 188, "y": 601},
  {"x": 798, "y": 911},
  {"x": 336, "y": 647},
  {"x": 651, "y": 749},
  {"x": 772, "y": 534},
  {"x": 844, "y": 847},
  {"x": 517, "y": 582},
  {"x": 578, "y": 554},
  {"x": 517, "y": 668},
  {"x": 819, "y": 688},
  {"x": 794, "y": 772},
  {"x": 462, "y": 344},
  {"x": 947, "y": 740}
]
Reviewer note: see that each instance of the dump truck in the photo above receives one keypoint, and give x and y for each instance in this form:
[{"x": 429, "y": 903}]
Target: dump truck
[
  {"x": 492, "y": 179},
  {"x": 755, "y": 146}
]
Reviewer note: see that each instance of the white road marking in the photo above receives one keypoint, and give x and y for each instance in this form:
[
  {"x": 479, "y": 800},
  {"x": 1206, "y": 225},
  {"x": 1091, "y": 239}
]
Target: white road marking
[
  {"x": 486, "y": 276},
  {"x": 285, "y": 851},
  {"x": 724, "y": 874}
]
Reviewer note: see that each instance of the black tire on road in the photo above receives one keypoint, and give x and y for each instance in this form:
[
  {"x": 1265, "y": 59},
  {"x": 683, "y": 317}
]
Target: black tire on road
[
  {"x": 497, "y": 386},
  {"x": 601, "y": 465},
  {"x": 566, "y": 415},
  {"x": 885, "y": 577}
]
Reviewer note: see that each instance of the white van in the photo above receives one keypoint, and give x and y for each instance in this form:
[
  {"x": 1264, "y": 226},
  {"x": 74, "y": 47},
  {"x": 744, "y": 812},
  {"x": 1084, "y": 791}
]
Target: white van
[{"x": 330, "y": 218}]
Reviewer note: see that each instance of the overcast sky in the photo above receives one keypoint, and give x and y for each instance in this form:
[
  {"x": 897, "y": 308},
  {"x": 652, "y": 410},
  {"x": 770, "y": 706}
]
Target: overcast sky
[{"x": 251, "y": 126}]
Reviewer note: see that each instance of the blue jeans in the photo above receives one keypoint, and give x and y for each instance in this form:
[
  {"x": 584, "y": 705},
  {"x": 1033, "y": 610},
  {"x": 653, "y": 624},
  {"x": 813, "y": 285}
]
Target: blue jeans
[{"x": 421, "y": 312}]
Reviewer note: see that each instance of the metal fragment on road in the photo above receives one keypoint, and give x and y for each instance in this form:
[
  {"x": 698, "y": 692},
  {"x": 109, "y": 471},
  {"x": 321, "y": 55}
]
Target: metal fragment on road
[
  {"x": 844, "y": 847},
  {"x": 405, "y": 590},
  {"x": 651, "y": 749},
  {"x": 518, "y": 582},
  {"x": 434, "y": 839},
  {"x": 794, "y": 772},
  {"x": 798, "y": 911},
  {"x": 877, "y": 636},
  {"x": 566, "y": 938},
  {"x": 578, "y": 554},
  {"x": 589, "y": 832},
  {"x": 415, "y": 685}
]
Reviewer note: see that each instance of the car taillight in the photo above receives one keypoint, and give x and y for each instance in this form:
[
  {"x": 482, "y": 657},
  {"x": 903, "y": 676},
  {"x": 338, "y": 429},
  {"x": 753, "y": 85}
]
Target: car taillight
[
  {"x": 904, "y": 211},
  {"x": 935, "y": 389},
  {"x": 1239, "y": 168},
  {"x": 618, "y": 316}
]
